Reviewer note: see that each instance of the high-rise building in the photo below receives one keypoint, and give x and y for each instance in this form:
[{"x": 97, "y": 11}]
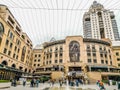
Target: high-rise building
[{"x": 100, "y": 23}]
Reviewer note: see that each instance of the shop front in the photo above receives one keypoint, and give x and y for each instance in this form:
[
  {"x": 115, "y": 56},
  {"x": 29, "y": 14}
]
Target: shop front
[{"x": 7, "y": 73}]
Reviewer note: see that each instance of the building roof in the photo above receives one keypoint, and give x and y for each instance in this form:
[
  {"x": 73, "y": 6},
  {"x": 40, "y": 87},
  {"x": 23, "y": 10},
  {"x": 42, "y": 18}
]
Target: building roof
[{"x": 38, "y": 47}]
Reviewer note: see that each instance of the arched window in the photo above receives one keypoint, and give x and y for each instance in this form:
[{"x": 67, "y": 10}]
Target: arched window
[
  {"x": 26, "y": 70},
  {"x": 29, "y": 70},
  {"x": 4, "y": 63},
  {"x": 74, "y": 51},
  {"x": 20, "y": 68},
  {"x": 1, "y": 29},
  {"x": 23, "y": 53}
]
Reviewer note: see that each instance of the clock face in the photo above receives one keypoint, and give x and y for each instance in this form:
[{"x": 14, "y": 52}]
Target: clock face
[{"x": 1, "y": 29}]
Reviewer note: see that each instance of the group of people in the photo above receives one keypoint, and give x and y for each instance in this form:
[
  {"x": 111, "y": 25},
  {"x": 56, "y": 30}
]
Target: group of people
[
  {"x": 34, "y": 82},
  {"x": 75, "y": 82},
  {"x": 70, "y": 82},
  {"x": 53, "y": 81},
  {"x": 13, "y": 82}
]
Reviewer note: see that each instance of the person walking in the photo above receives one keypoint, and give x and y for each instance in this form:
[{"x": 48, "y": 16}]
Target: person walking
[
  {"x": 24, "y": 81},
  {"x": 37, "y": 82},
  {"x": 98, "y": 83},
  {"x": 52, "y": 82},
  {"x": 60, "y": 82},
  {"x": 101, "y": 86},
  {"x": 76, "y": 81},
  {"x": 119, "y": 85},
  {"x": 14, "y": 83},
  {"x": 32, "y": 83}
]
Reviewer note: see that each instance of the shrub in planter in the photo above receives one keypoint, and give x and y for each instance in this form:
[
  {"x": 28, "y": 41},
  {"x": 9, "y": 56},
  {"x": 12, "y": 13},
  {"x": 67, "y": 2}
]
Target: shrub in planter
[
  {"x": 113, "y": 82},
  {"x": 105, "y": 81},
  {"x": 4, "y": 81},
  {"x": 44, "y": 78}
]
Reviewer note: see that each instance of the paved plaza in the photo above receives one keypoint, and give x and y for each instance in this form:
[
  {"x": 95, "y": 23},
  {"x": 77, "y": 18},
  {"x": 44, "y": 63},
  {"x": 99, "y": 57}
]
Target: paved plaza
[{"x": 56, "y": 86}]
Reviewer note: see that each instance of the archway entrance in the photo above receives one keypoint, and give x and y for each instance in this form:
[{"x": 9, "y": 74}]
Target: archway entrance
[{"x": 4, "y": 63}]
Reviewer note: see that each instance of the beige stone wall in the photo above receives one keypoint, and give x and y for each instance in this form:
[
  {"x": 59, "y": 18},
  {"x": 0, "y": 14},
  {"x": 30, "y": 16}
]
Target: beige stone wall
[
  {"x": 57, "y": 75},
  {"x": 16, "y": 30},
  {"x": 83, "y": 55},
  {"x": 116, "y": 50},
  {"x": 94, "y": 76},
  {"x": 37, "y": 58}
]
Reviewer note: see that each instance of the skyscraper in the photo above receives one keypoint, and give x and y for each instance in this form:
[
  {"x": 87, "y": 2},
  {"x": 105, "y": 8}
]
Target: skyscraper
[{"x": 100, "y": 23}]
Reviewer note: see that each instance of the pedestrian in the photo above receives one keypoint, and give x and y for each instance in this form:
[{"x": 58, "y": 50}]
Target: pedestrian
[
  {"x": 43, "y": 81},
  {"x": 32, "y": 83},
  {"x": 76, "y": 81},
  {"x": 101, "y": 85},
  {"x": 119, "y": 85},
  {"x": 60, "y": 82},
  {"x": 37, "y": 82},
  {"x": 108, "y": 82},
  {"x": 72, "y": 83},
  {"x": 14, "y": 83},
  {"x": 98, "y": 83},
  {"x": 24, "y": 81},
  {"x": 52, "y": 82}
]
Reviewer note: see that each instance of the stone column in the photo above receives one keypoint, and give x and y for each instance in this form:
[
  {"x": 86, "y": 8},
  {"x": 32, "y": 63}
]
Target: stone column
[{"x": 90, "y": 68}]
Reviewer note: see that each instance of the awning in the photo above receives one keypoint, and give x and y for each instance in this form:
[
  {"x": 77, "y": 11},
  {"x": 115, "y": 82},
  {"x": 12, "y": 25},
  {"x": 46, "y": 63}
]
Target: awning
[
  {"x": 1, "y": 65},
  {"x": 99, "y": 66}
]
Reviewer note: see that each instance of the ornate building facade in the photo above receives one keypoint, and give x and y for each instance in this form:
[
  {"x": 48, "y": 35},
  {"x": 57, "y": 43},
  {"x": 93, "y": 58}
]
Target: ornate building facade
[
  {"x": 116, "y": 52},
  {"x": 15, "y": 47},
  {"x": 73, "y": 57},
  {"x": 78, "y": 57}
]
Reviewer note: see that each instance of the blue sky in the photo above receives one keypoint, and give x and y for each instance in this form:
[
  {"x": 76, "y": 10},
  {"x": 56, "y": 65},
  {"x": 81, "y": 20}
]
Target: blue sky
[{"x": 44, "y": 19}]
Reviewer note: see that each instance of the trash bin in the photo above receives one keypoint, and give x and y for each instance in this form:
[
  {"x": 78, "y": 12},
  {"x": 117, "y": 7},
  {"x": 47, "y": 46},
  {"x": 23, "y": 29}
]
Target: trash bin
[{"x": 118, "y": 85}]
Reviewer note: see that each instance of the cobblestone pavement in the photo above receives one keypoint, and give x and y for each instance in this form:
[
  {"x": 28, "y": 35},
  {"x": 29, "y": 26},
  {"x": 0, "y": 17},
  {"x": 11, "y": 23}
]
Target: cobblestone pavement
[{"x": 47, "y": 86}]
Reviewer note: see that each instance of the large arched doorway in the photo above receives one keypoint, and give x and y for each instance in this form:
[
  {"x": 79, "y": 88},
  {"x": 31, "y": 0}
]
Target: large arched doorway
[
  {"x": 4, "y": 63},
  {"x": 29, "y": 70},
  {"x": 20, "y": 68},
  {"x": 26, "y": 70},
  {"x": 4, "y": 73}
]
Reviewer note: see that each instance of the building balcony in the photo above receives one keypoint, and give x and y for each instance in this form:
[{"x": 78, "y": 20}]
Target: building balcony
[
  {"x": 93, "y": 50},
  {"x": 88, "y": 50},
  {"x": 110, "y": 73},
  {"x": 43, "y": 72},
  {"x": 61, "y": 50},
  {"x": 10, "y": 24}
]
